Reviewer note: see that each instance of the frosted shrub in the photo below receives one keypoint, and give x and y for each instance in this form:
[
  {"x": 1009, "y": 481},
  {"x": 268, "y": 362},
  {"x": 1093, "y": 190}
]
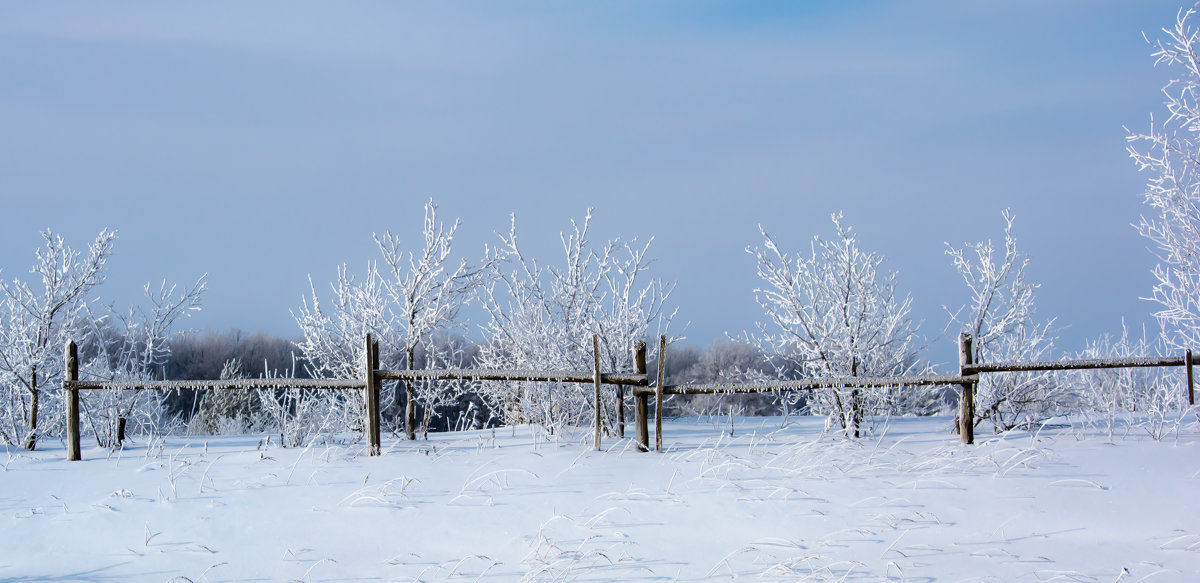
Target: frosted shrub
[
  {"x": 1001, "y": 318},
  {"x": 543, "y": 318},
  {"x": 144, "y": 412},
  {"x": 1010, "y": 399},
  {"x": 132, "y": 347},
  {"x": 833, "y": 312},
  {"x": 405, "y": 303},
  {"x": 228, "y": 412},
  {"x": 299, "y": 416},
  {"x": 36, "y": 321},
  {"x": 1154, "y": 399},
  {"x": 1170, "y": 153},
  {"x": 1110, "y": 394},
  {"x": 1165, "y": 405}
]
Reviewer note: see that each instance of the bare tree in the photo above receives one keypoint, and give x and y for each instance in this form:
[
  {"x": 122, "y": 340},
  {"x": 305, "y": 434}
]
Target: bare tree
[
  {"x": 131, "y": 346},
  {"x": 404, "y": 304},
  {"x": 544, "y": 318},
  {"x": 1170, "y": 152},
  {"x": 1001, "y": 318},
  {"x": 35, "y": 323},
  {"x": 835, "y": 313}
]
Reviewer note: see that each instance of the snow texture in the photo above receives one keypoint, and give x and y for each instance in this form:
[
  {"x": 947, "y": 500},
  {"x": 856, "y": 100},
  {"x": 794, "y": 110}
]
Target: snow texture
[{"x": 778, "y": 500}]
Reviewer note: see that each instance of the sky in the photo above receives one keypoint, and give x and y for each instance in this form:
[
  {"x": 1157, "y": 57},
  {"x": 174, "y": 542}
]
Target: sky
[{"x": 263, "y": 143}]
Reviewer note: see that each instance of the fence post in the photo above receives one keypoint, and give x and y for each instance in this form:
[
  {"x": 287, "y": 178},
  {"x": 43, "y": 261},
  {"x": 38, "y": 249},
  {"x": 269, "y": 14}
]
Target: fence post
[
  {"x": 966, "y": 413},
  {"x": 371, "y": 364},
  {"x": 641, "y": 401},
  {"x": 658, "y": 392},
  {"x": 70, "y": 375},
  {"x": 1187, "y": 361},
  {"x": 596, "y": 379}
]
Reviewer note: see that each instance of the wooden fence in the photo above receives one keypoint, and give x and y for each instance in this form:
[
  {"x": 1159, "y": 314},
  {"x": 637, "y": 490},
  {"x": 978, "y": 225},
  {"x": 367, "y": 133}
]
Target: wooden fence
[
  {"x": 370, "y": 384},
  {"x": 966, "y": 379}
]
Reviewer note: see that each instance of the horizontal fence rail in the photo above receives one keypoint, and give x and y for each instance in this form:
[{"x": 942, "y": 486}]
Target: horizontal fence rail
[
  {"x": 1082, "y": 364},
  {"x": 218, "y": 385},
  {"x": 805, "y": 385},
  {"x": 468, "y": 374}
]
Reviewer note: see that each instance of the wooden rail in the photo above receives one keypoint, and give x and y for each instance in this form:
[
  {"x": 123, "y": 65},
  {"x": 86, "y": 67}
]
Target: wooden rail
[
  {"x": 471, "y": 374},
  {"x": 1083, "y": 364},
  {"x": 219, "y": 385},
  {"x": 804, "y": 385}
]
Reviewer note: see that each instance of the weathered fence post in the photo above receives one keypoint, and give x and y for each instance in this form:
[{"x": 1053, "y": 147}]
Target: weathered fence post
[
  {"x": 1187, "y": 361},
  {"x": 371, "y": 362},
  {"x": 70, "y": 375},
  {"x": 596, "y": 379},
  {"x": 641, "y": 407},
  {"x": 658, "y": 392},
  {"x": 966, "y": 413}
]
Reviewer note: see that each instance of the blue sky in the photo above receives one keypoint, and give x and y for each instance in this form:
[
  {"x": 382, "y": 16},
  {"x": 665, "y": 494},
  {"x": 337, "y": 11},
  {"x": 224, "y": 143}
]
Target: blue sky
[{"x": 263, "y": 143}]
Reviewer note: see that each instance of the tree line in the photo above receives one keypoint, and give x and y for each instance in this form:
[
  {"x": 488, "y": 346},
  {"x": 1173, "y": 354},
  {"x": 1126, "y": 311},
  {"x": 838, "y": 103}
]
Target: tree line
[{"x": 833, "y": 310}]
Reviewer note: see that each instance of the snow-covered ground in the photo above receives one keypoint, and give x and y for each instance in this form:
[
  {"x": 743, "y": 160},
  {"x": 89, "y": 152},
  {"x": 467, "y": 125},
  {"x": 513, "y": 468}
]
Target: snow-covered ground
[{"x": 776, "y": 501}]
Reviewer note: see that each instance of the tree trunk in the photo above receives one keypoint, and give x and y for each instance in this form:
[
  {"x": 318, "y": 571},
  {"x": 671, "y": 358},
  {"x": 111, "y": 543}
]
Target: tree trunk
[
  {"x": 410, "y": 408},
  {"x": 856, "y": 413},
  {"x": 856, "y": 406},
  {"x": 31, "y": 440}
]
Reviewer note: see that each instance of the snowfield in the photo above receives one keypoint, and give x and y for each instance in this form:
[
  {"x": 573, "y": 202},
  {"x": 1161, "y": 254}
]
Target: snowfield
[{"x": 779, "y": 500}]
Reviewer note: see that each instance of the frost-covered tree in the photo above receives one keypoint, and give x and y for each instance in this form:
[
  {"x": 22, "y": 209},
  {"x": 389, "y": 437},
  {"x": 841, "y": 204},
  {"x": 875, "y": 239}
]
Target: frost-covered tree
[
  {"x": 835, "y": 313},
  {"x": 404, "y": 303},
  {"x": 543, "y": 318},
  {"x": 1001, "y": 318},
  {"x": 37, "y": 318},
  {"x": 133, "y": 346},
  {"x": 1170, "y": 153}
]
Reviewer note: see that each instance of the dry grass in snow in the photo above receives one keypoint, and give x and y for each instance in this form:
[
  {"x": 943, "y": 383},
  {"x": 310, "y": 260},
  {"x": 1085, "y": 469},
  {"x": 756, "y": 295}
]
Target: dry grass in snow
[{"x": 777, "y": 501}]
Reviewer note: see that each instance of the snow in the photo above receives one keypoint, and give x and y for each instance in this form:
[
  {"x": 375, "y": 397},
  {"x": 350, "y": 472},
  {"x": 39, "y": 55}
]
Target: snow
[{"x": 776, "y": 501}]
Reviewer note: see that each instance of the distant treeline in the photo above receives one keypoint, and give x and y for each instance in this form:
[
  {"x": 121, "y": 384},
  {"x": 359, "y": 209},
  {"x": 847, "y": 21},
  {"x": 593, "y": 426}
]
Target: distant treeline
[{"x": 204, "y": 355}]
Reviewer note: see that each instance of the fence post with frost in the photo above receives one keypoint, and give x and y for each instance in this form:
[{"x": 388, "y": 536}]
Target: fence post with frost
[
  {"x": 658, "y": 392},
  {"x": 641, "y": 400},
  {"x": 1187, "y": 362},
  {"x": 371, "y": 364},
  {"x": 966, "y": 413},
  {"x": 596, "y": 380},
  {"x": 70, "y": 375}
]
